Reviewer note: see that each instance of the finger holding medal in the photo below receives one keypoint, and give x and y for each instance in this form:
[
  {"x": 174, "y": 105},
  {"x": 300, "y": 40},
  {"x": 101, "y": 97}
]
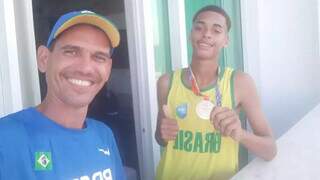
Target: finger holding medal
[
  {"x": 168, "y": 126},
  {"x": 227, "y": 122}
]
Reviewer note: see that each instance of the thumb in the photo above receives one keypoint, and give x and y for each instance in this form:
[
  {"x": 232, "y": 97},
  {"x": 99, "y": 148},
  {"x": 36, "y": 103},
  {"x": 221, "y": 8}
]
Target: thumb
[{"x": 166, "y": 111}]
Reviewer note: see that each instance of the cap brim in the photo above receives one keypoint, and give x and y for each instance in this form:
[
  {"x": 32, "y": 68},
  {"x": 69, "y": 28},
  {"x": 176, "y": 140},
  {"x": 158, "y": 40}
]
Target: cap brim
[{"x": 95, "y": 20}]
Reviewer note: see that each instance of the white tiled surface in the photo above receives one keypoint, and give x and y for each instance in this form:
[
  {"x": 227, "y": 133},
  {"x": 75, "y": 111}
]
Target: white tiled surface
[{"x": 298, "y": 154}]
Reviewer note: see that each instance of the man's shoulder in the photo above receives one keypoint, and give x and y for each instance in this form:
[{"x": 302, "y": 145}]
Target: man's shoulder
[
  {"x": 101, "y": 130},
  {"x": 98, "y": 125},
  {"x": 13, "y": 120},
  {"x": 12, "y": 130},
  {"x": 242, "y": 78},
  {"x": 168, "y": 75},
  {"x": 165, "y": 81},
  {"x": 244, "y": 86}
]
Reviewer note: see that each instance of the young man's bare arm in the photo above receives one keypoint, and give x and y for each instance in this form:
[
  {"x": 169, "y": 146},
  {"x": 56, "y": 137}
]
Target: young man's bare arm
[
  {"x": 167, "y": 128},
  {"x": 261, "y": 141},
  {"x": 227, "y": 121}
]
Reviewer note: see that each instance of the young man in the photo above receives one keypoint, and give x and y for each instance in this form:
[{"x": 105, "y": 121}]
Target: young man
[
  {"x": 198, "y": 122},
  {"x": 55, "y": 140}
]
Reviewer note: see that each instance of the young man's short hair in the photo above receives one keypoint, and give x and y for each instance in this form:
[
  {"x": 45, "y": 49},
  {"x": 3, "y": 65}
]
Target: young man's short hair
[{"x": 216, "y": 9}]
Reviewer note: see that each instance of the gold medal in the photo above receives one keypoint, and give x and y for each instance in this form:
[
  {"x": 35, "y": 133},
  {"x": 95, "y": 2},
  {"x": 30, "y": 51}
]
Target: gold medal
[{"x": 204, "y": 108}]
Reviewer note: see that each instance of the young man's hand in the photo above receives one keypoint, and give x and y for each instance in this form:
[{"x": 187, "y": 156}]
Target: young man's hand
[
  {"x": 227, "y": 122},
  {"x": 168, "y": 127}
]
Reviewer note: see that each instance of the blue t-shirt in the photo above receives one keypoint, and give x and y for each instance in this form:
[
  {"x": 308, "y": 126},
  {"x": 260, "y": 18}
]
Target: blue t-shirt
[{"x": 35, "y": 147}]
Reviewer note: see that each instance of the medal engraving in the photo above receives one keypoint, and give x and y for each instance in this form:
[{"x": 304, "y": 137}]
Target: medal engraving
[{"x": 204, "y": 108}]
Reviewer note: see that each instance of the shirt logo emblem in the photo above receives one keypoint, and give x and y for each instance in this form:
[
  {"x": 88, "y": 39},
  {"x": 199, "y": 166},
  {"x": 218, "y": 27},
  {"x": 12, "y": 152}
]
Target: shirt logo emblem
[
  {"x": 182, "y": 110},
  {"x": 43, "y": 161},
  {"x": 86, "y": 11},
  {"x": 105, "y": 152}
]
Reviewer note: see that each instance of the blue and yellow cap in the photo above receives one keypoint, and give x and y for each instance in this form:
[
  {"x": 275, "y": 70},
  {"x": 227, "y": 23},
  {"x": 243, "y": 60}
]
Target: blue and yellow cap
[{"x": 85, "y": 17}]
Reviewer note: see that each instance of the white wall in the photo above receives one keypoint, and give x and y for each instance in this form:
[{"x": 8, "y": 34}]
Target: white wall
[
  {"x": 293, "y": 160},
  {"x": 285, "y": 59},
  {"x": 319, "y": 24}
]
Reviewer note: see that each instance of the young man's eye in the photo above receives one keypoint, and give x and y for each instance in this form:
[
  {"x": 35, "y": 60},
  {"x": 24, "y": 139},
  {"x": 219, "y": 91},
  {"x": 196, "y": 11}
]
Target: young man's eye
[
  {"x": 217, "y": 30},
  {"x": 198, "y": 28}
]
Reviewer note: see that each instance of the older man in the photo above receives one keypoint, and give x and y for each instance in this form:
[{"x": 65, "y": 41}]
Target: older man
[{"x": 55, "y": 140}]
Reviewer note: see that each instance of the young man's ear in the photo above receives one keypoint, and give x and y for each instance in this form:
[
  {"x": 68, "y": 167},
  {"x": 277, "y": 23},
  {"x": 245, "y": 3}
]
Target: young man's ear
[
  {"x": 227, "y": 42},
  {"x": 42, "y": 58}
]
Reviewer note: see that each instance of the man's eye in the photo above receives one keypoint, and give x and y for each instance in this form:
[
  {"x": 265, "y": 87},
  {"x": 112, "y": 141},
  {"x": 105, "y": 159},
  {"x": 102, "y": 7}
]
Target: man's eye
[
  {"x": 70, "y": 52},
  {"x": 198, "y": 28},
  {"x": 217, "y": 30},
  {"x": 101, "y": 58}
]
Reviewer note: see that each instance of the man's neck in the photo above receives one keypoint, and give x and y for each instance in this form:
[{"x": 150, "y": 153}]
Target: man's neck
[
  {"x": 205, "y": 71},
  {"x": 63, "y": 114}
]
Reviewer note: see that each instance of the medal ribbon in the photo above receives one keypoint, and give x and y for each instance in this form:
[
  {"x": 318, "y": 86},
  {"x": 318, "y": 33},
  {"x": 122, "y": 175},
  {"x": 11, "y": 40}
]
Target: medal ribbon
[{"x": 196, "y": 90}]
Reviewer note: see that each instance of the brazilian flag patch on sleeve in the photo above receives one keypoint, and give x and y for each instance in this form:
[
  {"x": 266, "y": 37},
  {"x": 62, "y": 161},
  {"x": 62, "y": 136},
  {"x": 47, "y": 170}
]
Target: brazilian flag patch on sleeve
[{"x": 43, "y": 161}]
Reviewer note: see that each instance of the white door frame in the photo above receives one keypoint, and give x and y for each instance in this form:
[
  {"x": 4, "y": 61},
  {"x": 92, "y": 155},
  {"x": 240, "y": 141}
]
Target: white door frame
[
  {"x": 140, "y": 30},
  {"x": 178, "y": 40},
  {"x": 9, "y": 69},
  {"x": 143, "y": 82},
  {"x": 26, "y": 46},
  {"x": 19, "y": 75},
  {"x": 250, "y": 39},
  {"x": 19, "y": 81}
]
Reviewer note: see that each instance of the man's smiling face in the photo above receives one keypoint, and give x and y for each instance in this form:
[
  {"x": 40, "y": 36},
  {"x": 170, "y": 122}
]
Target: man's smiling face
[{"x": 78, "y": 65}]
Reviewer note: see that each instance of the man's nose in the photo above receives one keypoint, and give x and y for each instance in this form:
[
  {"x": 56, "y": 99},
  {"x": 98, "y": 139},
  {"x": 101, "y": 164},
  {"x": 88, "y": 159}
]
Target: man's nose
[
  {"x": 207, "y": 33},
  {"x": 85, "y": 63}
]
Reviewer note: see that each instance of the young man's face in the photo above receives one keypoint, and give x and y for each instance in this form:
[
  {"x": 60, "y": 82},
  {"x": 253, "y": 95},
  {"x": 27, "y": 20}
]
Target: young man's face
[
  {"x": 78, "y": 66},
  {"x": 209, "y": 35}
]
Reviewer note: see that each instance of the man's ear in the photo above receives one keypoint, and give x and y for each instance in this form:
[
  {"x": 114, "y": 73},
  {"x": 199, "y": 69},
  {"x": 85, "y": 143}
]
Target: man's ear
[
  {"x": 42, "y": 58},
  {"x": 226, "y": 41}
]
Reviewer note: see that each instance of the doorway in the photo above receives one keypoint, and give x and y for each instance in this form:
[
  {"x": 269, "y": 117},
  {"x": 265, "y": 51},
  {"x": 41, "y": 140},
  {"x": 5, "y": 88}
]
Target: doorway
[{"x": 113, "y": 104}]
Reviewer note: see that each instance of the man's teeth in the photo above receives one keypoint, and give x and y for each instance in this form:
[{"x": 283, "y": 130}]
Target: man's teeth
[
  {"x": 206, "y": 45},
  {"x": 80, "y": 82}
]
